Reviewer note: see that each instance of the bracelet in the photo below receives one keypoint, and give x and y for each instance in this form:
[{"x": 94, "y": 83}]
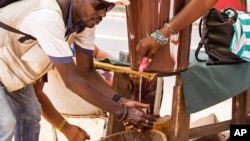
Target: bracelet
[
  {"x": 60, "y": 127},
  {"x": 170, "y": 28},
  {"x": 159, "y": 37},
  {"x": 116, "y": 97},
  {"x": 125, "y": 113}
]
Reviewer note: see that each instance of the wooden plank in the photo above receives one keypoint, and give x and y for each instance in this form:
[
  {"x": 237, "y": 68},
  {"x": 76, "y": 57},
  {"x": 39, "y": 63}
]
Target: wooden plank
[
  {"x": 210, "y": 129},
  {"x": 180, "y": 120},
  {"x": 239, "y": 116},
  {"x": 248, "y": 102},
  {"x": 121, "y": 85},
  {"x": 239, "y": 108}
]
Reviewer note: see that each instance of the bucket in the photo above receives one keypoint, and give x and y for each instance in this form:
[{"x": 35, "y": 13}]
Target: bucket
[
  {"x": 150, "y": 135},
  {"x": 146, "y": 16}
]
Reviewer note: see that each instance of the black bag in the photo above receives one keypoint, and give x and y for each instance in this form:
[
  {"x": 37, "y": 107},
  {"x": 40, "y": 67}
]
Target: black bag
[
  {"x": 6, "y": 2},
  {"x": 216, "y": 32}
]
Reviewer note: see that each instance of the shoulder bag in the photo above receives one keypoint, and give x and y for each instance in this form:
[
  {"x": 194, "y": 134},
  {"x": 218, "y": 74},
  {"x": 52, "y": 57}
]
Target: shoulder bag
[{"x": 216, "y": 32}]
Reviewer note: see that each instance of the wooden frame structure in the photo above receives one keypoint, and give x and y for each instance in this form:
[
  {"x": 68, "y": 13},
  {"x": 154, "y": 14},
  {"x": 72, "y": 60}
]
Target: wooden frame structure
[{"x": 180, "y": 121}]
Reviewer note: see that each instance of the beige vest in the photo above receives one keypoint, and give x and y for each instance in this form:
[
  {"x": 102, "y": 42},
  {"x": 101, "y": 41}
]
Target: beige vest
[{"x": 21, "y": 63}]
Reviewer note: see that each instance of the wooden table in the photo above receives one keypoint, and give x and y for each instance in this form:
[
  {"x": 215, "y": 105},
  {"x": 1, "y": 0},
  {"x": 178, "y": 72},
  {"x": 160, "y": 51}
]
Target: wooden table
[{"x": 180, "y": 120}]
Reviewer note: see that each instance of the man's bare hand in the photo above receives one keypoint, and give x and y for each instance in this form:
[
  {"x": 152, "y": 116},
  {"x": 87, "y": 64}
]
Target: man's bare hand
[
  {"x": 137, "y": 118},
  {"x": 75, "y": 133}
]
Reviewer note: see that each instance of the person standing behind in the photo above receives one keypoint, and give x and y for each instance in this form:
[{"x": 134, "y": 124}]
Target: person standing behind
[{"x": 45, "y": 20}]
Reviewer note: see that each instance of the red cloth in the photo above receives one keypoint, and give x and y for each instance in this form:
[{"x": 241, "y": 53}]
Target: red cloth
[{"x": 222, "y": 4}]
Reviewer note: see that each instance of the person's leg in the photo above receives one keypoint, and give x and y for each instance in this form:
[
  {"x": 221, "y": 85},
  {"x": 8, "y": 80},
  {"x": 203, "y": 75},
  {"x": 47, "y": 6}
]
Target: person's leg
[
  {"x": 7, "y": 119},
  {"x": 27, "y": 111}
]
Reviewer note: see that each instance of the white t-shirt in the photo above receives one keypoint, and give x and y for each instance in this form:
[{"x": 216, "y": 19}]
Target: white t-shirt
[{"x": 48, "y": 27}]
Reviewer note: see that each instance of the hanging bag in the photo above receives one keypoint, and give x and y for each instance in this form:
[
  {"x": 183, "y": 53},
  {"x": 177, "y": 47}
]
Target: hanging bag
[{"x": 216, "y": 32}]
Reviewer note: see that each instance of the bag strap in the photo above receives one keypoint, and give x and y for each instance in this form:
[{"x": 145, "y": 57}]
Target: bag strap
[
  {"x": 233, "y": 12},
  {"x": 202, "y": 41},
  {"x": 6, "y": 2},
  {"x": 200, "y": 45},
  {"x": 21, "y": 39}
]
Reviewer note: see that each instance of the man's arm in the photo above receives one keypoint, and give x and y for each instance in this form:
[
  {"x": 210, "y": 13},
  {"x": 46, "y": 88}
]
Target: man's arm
[
  {"x": 107, "y": 75},
  {"x": 89, "y": 85},
  {"x": 72, "y": 132},
  {"x": 98, "y": 53}
]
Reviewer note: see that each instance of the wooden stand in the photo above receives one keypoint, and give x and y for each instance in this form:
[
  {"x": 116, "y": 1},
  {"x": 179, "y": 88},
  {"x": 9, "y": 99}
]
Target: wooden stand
[
  {"x": 121, "y": 85},
  {"x": 180, "y": 121}
]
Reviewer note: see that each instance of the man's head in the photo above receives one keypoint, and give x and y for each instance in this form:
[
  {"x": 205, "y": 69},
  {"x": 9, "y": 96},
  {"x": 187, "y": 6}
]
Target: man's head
[{"x": 91, "y": 12}]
